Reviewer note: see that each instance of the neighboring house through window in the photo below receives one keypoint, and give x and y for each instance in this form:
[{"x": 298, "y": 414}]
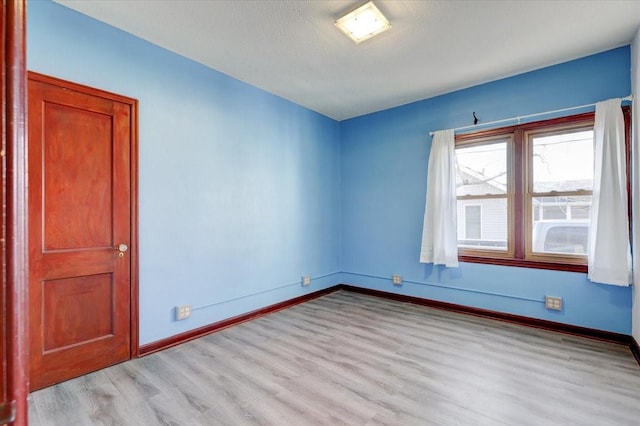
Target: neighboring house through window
[{"x": 473, "y": 222}]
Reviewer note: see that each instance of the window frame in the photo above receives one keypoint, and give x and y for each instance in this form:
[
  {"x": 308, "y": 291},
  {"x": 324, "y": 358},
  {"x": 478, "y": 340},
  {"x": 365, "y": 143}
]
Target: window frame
[
  {"x": 509, "y": 196},
  {"x": 519, "y": 242},
  {"x": 530, "y": 194}
]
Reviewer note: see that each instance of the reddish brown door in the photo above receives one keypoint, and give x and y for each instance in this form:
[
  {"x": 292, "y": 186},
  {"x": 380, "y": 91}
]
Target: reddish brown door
[{"x": 79, "y": 230}]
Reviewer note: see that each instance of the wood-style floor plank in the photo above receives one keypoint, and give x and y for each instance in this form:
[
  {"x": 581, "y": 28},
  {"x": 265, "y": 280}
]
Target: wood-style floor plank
[{"x": 352, "y": 359}]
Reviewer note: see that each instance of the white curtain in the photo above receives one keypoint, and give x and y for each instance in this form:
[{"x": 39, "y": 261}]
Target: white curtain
[
  {"x": 439, "y": 239},
  {"x": 609, "y": 250}
]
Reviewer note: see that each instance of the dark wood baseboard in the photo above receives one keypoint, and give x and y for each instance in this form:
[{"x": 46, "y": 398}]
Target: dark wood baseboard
[
  {"x": 177, "y": 339},
  {"x": 635, "y": 349},
  {"x": 574, "y": 330}
]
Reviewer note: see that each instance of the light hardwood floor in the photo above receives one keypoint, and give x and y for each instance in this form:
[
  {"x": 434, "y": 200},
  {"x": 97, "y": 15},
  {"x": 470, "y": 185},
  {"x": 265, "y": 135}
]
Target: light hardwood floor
[{"x": 351, "y": 359}]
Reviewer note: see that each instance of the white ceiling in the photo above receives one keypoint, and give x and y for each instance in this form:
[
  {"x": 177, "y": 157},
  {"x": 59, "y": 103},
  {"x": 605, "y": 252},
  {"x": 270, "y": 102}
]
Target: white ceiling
[{"x": 292, "y": 49}]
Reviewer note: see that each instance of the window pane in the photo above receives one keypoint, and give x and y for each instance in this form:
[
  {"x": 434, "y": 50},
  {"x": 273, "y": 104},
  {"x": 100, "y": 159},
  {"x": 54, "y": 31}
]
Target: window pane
[
  {"x": 560, "y": 224},
  {"x": 483, "y": 224},
  {"x": 473, "y": 222},
  {"x": 482, "y": 169},
  {"x": 554, "y": 212},
  {"x": 566, "y": 239},
  {"x": 563, "y": 162},
  {"x": 581, "y": 212},
  {"x": 561, "y": 207}
]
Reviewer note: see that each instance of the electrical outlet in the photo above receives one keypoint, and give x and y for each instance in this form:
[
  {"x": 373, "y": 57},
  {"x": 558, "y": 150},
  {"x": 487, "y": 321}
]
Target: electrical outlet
[
  {"x": 183, "y": 312},
  {"x": 396, "y": 279},
  {"x": 553, "y": 303},
  {"x": 306, "y": 280}
]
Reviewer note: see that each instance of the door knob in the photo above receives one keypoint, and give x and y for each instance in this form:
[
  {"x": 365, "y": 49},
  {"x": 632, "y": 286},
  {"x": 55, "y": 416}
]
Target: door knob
[{"x": 122, "y": 248}]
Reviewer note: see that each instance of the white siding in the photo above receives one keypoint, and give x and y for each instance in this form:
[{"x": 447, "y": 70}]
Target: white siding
[{"x": 494, "y": 218}]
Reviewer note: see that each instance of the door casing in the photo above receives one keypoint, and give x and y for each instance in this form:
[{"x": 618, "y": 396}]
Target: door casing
[{"x": 13, "y": 288}]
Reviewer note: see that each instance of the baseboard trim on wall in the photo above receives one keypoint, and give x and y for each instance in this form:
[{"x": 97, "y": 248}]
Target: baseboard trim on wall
[
  {"x": 574, "y": 330},
  {"x": 635, "y": 349},
  {"x": 177, "y": 339}
]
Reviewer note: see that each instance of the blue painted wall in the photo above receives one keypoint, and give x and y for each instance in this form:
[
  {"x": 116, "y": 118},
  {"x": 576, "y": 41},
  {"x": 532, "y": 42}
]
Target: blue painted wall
[
  {"x": 239, "y": 189},
  {"x": 242, "y": 192},
  {"x": 384, "y": 167}
]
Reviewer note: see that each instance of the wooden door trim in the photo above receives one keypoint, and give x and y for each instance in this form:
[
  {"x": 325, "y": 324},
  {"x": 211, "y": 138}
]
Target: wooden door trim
[
  {"x": 133, "y": 153},
  {"x": 15, "y": 380},
  {"x": 43, "y": 78}
]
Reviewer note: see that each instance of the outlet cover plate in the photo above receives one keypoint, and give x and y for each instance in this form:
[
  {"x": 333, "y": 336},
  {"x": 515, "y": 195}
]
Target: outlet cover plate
[
  {"x": 553, "y": 303},
  {"x": 183, "y": 312},
  {"x": 306, "y": 280},
  {"x": 396, "y": 279}
]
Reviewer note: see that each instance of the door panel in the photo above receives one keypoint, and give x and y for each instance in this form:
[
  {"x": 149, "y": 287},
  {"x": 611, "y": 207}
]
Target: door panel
[
  {"x": 79, "y": 212},
  {"x": 88, "y": 157},
  {"x": 66, "y": 321}
]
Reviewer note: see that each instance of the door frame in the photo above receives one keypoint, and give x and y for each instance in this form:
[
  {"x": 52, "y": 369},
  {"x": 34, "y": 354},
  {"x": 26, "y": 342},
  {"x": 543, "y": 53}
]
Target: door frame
[
  {"x": 133, "y": 160},
  {"x": 14, "y": 372}
]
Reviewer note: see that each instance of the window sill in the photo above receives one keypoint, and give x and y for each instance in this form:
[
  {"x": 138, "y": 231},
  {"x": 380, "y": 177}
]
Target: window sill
[{"x": 521, "y": 263}]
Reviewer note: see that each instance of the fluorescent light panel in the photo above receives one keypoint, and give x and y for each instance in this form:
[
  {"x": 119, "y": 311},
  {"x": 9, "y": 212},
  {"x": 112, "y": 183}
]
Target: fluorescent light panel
[{"x": 363, "y": 23}]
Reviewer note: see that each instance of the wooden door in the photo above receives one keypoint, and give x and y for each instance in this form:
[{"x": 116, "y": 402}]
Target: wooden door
[{"x": 80, "y": 229}]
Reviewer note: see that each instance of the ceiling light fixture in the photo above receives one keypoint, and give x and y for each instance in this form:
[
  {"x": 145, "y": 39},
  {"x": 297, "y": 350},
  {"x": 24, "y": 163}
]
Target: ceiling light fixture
[{"x": 363, "y": 23}]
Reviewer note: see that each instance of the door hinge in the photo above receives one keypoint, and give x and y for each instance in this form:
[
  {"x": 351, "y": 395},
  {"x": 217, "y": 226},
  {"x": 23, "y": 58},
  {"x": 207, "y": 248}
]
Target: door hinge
[{"x": 7, "y": 412}]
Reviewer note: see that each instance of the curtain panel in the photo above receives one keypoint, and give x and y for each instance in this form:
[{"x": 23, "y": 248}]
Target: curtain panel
[
  {"x": 609, "y": 258},
  {"x": 439, "y": 239}
]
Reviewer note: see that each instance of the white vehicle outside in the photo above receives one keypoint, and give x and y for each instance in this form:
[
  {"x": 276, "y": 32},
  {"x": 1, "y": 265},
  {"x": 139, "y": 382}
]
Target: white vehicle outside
[{"x": 561, "y": 236}]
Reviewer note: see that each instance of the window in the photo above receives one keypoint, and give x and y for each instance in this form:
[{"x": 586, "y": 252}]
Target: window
[
  {"x": 483, "y": 194},
  {"x": 561, "y": 178},
  {"x": 524, "y": 193}
]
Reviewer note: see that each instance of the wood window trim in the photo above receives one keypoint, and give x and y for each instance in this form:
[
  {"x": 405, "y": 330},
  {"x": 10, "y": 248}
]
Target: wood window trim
[{"x": 517, "y": 231}]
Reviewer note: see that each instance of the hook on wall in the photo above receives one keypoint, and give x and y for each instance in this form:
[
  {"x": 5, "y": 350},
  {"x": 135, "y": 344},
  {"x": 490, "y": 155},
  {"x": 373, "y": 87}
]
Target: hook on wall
[{"x": 475, "y": 119}]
